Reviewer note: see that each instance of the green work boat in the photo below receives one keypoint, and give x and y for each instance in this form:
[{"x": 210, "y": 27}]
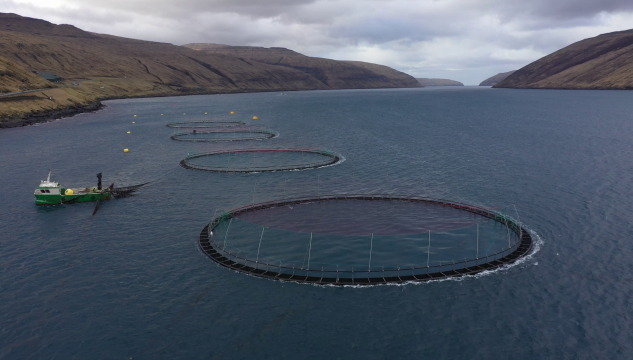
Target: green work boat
[{"x": 51, "y": 193}]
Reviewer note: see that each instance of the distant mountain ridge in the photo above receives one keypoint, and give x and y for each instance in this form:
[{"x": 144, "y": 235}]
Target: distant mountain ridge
[
  {"x": 331, "y": 74},
  {"x": 438, "y": 82},
  {"x": 493, "y": 80},
  {"x": 601, "y": 62}
]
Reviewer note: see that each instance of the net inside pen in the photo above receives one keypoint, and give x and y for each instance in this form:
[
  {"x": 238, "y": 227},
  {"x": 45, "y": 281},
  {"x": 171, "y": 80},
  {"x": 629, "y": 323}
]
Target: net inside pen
[
  {"x": 260, "y": 160},
  {"x": 363, "y": 239}
]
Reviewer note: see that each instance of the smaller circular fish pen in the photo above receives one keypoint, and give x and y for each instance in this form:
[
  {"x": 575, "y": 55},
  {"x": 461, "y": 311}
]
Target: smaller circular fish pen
[
  {"x": 260, "y": 160},
  {"x": 205, "y": 124},
  {"x": 363, "y": 239},
  {"x": 224, "y": 135}
]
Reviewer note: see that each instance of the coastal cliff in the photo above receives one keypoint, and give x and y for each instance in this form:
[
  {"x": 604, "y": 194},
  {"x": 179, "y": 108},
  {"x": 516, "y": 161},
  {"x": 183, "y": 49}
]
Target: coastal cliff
[{"x": 601, "y": 62}]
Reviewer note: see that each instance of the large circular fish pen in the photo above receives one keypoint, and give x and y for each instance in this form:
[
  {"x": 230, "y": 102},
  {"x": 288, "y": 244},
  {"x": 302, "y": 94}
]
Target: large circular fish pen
[
  {"x": 363, "y": 239},
  {"x": 224, "y": 135},
  {"x": 260, "y": 160}
]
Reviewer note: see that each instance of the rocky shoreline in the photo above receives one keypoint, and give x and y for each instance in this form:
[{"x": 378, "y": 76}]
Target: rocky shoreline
[{"x": 46, "y": 116}]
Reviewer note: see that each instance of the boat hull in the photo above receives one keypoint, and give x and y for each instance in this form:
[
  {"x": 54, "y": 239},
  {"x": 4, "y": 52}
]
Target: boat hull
[{"x": 56, "y": 199}]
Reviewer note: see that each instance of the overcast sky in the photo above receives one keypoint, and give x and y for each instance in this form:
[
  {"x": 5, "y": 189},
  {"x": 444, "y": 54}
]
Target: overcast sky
[{"x": 464, "y": 40}]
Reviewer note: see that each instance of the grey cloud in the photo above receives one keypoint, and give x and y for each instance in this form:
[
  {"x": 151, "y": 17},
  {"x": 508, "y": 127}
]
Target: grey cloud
[
  {"x": 463, "y": 38},
  {"x": 569, "y": 9},
  {"x": 184, "y": 8},
  {"x": 377, "y": 31}
]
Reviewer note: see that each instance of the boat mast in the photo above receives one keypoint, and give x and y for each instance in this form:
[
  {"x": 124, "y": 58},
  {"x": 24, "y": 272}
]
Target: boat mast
[{"x": 99, "y": 181}]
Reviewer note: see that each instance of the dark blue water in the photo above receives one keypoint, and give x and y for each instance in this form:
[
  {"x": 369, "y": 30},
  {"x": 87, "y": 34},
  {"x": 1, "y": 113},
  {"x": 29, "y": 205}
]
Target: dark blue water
[{"x": 130, "y": 282}]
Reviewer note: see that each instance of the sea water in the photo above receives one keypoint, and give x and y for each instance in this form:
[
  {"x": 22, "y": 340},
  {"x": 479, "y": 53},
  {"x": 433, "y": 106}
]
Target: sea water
[{"x": 131, "y": 282}]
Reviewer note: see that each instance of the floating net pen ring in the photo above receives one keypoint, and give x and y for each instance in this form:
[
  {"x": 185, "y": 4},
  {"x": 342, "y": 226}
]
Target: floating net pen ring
[
  {"x": 245, "y": 135},
  {"x": 328, "y": 158},
  {"x": 205, "y": 124},
  {"x": 211, "y": 244}
]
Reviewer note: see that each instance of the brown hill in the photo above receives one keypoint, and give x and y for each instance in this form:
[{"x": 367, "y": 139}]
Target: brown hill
[
  {"x": 601, "y": 62},
  {"x": 15, "y": 78},
  {"x": 395, "y": 76},
  {"x": 438, "y": 82},
  {"x": 98, "y": 66},
  {"x": 493, "y": 80},
  {"x": 331, "y": 74},
  {"x": 75, "y": 54}
]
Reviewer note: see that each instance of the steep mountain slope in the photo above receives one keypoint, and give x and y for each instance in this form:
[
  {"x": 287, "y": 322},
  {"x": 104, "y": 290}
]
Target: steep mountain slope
[
  {"x": 15, "y": 78},
  {"x": 438, "y": 82},
  {"x": 601, "y": 62},
  {"x": 493, "y": 80},
  {"x": 76, "y": 54},
  {"x": 398, "y": 78},
  {"x": 331, "y": 73}
]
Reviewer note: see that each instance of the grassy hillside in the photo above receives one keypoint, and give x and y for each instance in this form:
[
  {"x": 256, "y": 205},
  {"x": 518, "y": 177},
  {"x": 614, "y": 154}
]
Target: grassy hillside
[
  {"x": 97, "y": 66},
  {"x": 601, "y": 62},
  {"x": 76, "y": 54},
  {"x": 44, "y": 105},
  {"x": 15, "y": 78}
]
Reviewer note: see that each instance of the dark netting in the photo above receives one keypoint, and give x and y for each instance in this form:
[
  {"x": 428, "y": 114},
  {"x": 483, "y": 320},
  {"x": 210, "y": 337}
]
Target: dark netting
[
  {"x": 224, "y": 135},
  {"x": 260, "y": 160},
  {"x": 240, "y": 240},
  {"x": 205, "y": 124}
]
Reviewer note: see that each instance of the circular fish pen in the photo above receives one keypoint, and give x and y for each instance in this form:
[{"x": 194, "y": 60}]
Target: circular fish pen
[
  {"x": 462, "y": 240},
  {"x": 205, "y": 124},
  {"x": 260, "y": 160},
  {"x": 224, "y": 135}
]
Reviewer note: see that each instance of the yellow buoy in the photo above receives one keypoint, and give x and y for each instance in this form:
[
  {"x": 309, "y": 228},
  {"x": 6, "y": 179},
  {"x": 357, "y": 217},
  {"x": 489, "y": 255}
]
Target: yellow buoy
[
  {"x": 205, "y": 113},
  {"x": 126, "y": 150},
  {"x": 69, "y": 192},
  {"x": 128, "y": 132},
  {"x": 133, "y": 122},
  {"x": 184, "y": 114},
  {"x": 254, "y": 117},
  {"x": 232, "y": 112},
  {"x": 134, "y": 115},
  {"x": 161, "y": 114}
]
